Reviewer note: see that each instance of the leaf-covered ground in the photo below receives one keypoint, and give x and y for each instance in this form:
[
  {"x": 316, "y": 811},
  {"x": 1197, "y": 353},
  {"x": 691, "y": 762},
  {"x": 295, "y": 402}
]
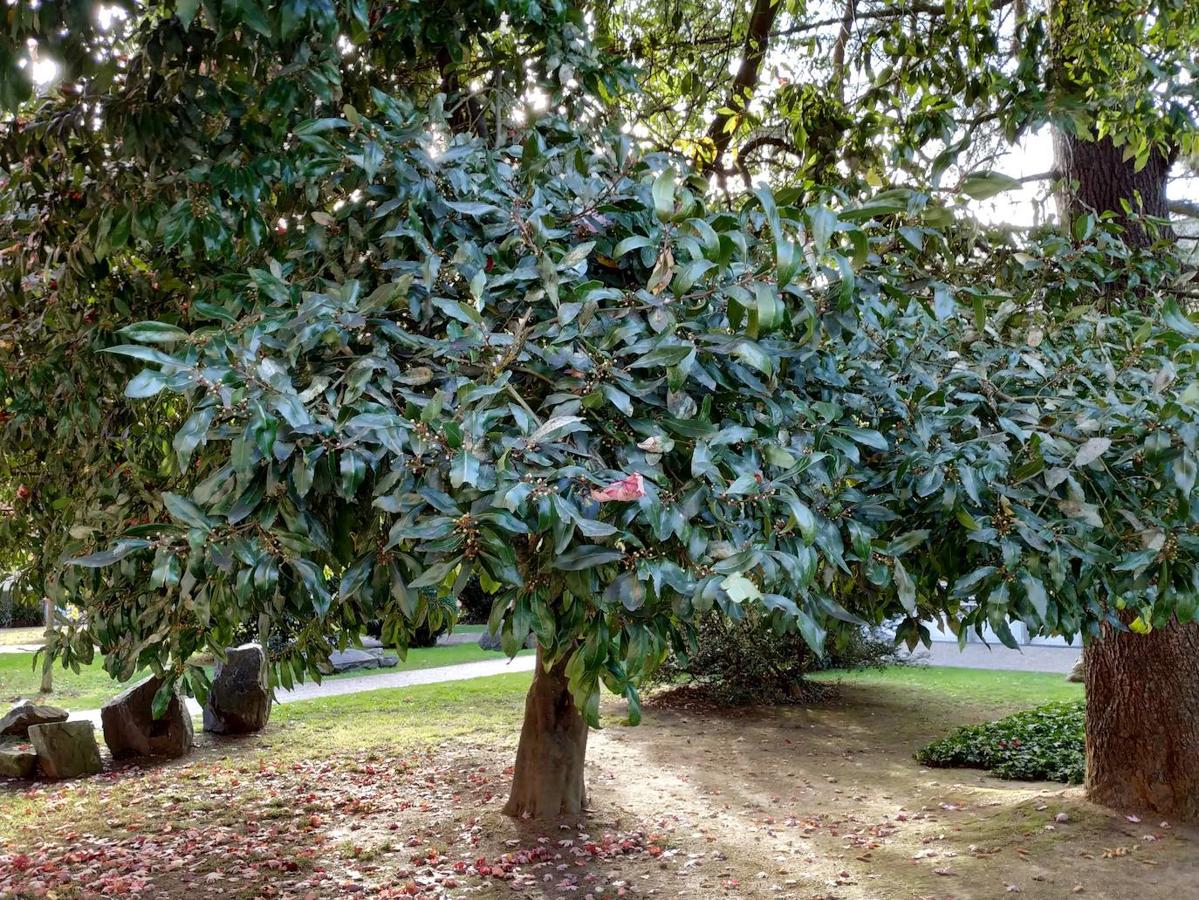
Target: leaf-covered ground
[{"x": 397, "y": 793}]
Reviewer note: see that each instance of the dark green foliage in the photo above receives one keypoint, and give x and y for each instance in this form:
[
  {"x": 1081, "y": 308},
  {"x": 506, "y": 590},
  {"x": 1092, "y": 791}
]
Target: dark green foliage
[
  {"x": 855, "y": 647},
  {"x": 749, "y": 661},
  {"x": 1042, "y": 744},
  {"x": 474, "y": 604},
  {"x": 198, "y": 176},
  {"x": 426, "y": 635},
  {"x": 18, "y": 610}
]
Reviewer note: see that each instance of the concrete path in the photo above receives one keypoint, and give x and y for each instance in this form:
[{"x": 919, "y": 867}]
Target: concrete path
[
  {"x": 20, "y": 648},
  {"x": 997, "y": 656},
  {"x": 336, "y": 687}
]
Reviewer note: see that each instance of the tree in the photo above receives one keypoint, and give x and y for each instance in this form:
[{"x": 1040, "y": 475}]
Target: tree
[
  {"x": 548, "y": 393},
  {"x": 1142, "y": 688},
  {"x": 527, "y": 349}
]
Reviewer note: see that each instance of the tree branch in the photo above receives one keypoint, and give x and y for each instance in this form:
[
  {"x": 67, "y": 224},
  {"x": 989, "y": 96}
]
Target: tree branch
[
  {"x": 1184, "y": 208},
  {"x": 757, "y": 38},
  {"x": 847, "y": 21},
  {"x": 882, "y": 15}
]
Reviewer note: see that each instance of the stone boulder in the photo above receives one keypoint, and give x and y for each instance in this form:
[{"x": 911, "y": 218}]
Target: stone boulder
[
  {"x": 25, "y": 713},
  {"x": 1077, "y": 673},
  {"x": 17, "y": 762},
  {"x": 66, "y": 749},
  {"x": 239, "y": 700},
  {"x": 352, "y": 659},
  {"x": 130, "y": 728},
  {"x": 489, "y": 641}
]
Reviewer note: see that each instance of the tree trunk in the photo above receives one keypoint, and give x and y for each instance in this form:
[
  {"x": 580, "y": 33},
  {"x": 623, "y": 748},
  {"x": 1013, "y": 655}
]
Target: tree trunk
[
  {"x": 1097, "y": 178},
  {"x": 745, "y": 82},
  {"x": 548, "y": 782},
  {"x": 1143, "y": 721},
  {"x": 47, "y": 662}
]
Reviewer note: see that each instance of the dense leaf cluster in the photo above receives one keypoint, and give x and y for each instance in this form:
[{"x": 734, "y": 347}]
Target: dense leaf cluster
[{"x": 164, "y": 165}]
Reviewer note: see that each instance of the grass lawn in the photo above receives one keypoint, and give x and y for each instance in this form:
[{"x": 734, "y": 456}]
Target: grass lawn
[
  {"x": 92, "y": 686},
  {"x": 397, "y": 793},
  {"x": 1001, "y": 690}
]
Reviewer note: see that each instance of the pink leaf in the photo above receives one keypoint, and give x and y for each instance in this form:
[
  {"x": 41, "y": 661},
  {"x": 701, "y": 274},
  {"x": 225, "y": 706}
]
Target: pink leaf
[{"x": 629, "y": 488}]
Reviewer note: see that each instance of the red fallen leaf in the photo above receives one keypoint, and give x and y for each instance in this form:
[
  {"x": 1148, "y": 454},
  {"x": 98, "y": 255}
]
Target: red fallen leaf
[{"x": 314, "y": 821}]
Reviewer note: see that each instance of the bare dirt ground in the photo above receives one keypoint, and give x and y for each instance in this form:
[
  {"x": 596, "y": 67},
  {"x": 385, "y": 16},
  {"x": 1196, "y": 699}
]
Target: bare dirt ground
[
  {"x": 826, "y": 802},
  {"x": 816, "y": 802}
]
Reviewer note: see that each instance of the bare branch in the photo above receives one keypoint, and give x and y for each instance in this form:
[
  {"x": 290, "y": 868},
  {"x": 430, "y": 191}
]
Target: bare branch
[
  {"x": 1184, "y": 208},
  {"x": 847, "y": 20}
]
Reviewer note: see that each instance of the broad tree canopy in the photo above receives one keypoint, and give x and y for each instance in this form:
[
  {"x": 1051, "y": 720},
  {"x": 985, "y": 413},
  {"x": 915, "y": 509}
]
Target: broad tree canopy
[{"x": 385, "y": 335}]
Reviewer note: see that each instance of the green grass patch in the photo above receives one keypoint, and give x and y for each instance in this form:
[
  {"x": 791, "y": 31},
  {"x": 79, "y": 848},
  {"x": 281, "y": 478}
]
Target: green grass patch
[
  {"x": 1003, "y": 690},
  {"x": 401, "y": 718},
  {"x": 91, "y": 686},
  {"x": 1042, "y": 744}
]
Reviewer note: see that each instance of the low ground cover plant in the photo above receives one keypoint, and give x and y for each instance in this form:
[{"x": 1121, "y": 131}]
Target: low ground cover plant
[{"x": 1041, "y": 744}]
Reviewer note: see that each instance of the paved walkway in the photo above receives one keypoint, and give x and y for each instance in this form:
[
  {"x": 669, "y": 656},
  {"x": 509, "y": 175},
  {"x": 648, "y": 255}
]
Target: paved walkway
[
  {"x": 997, "y": 656},
  {"x": 20, "y": 648}
]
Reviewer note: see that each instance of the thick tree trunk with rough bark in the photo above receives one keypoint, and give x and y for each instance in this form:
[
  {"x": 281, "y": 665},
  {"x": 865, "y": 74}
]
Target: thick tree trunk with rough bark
[
  {"x": 1143, "y": 721},
  {"x": 548, "y": 782},
  {"x": 1096, "y": 178}
]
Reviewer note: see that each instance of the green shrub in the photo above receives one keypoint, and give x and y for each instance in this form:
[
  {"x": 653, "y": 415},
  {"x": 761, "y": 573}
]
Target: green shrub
[
  {"x": 747, "y": 662},
  {"x": 1041, "y": 744},
  {"x": 474, "y": 604},
  {"x": 18, "y": 608}
]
